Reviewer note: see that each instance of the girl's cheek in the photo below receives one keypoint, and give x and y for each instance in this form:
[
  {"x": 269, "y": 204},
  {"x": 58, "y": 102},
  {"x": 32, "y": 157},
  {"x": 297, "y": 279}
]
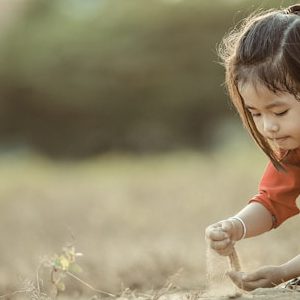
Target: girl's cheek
[{"x": 258, "y": 126}]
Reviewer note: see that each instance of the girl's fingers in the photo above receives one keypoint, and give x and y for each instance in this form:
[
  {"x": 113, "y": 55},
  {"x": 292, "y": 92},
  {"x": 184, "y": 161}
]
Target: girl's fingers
[
  {"x": 227, "y": 226},
  {"x": 252, "y": 285},
  {"x": 239, "y": 279},
  {"x": 236, "y": 277},
  {"x": 252, "y": 276},
  {"x": 220, "y": 245},
  {"x": 217, "y": 232},
  {"x": 217, "y": 235}
]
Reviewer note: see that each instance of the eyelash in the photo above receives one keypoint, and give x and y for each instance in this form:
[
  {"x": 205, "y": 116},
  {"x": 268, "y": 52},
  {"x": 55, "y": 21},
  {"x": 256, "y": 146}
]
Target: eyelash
[
  {"x": 277, "y": 114},
  {"x": 282, "y": 113}
]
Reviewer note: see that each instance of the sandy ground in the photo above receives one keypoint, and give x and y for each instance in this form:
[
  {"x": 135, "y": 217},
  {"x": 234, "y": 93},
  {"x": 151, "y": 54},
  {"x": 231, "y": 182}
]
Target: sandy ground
[
  {"x": 258, "y": 294},
  {"x": 139, "y": 222},
  {"x": 262, "y": 294}
]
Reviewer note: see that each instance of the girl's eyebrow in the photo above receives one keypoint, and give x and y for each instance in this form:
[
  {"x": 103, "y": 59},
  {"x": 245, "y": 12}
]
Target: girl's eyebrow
[{"x": 269, "y": 106}]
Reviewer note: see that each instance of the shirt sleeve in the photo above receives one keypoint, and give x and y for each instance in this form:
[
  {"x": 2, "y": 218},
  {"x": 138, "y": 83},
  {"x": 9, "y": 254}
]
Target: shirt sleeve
[{"x": 278, "y": 191}]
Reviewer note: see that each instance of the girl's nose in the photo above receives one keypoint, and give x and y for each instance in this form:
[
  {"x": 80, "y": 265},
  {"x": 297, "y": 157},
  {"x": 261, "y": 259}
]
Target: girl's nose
[{"x": 270, "y": 126}]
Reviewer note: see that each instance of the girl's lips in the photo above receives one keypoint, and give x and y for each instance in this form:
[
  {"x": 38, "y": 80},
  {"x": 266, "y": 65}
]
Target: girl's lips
[
  {"x": 278, "y": 138},
  {"x": 281, "y": 138}
]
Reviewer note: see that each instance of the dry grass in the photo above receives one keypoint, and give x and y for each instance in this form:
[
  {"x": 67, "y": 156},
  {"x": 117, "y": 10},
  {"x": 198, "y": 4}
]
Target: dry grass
[{"x": 138, "y": 220}]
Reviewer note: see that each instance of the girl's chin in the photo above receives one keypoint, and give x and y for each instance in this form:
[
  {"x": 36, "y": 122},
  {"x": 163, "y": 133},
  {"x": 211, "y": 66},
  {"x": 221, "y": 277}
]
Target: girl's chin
[
  {"x": 287, "y": 146},
  {"x": 285, "y": 143}
]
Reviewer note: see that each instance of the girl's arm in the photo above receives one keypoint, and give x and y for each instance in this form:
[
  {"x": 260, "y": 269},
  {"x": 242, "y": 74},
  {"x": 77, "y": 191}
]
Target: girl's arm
[
  {"x": 276, "y": 202},
  {"x": 257, "y": 219},
  {"x": 221, "y": 236}
]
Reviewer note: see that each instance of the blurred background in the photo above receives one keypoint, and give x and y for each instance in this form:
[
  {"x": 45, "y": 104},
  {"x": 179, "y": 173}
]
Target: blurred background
[
  {"x": 79, "y": 78},
  {"x": 116, "y": 133}
]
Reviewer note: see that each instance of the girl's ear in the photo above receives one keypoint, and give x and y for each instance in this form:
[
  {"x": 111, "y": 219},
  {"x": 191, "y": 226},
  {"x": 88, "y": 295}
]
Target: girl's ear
[{"x": 294, "y": 9}]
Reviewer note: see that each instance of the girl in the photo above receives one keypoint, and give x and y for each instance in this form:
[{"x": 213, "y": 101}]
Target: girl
[{"x": 262, "y": 63}]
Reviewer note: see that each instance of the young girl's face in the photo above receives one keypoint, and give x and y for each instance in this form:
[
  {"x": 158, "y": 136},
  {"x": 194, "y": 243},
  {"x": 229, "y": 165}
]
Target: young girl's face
[{"x": 276, "y": 116}]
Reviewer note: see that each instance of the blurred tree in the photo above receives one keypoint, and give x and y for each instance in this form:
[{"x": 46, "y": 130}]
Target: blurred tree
[{"x": 82, "y": 77}]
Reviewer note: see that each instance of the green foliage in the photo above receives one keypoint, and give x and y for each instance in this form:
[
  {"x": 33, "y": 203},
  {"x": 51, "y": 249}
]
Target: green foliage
[
  {"x": 61, "y": 265},
  {"x": 83, "y": 77}
]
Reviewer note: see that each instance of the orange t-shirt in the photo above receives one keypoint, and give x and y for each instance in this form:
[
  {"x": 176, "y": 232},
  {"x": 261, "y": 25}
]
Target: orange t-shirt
[{"x": 278, "y": 190}]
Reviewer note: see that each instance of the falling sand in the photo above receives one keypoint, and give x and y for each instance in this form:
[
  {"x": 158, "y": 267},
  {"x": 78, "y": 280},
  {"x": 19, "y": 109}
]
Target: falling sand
[{"x": 217, "y": 281}]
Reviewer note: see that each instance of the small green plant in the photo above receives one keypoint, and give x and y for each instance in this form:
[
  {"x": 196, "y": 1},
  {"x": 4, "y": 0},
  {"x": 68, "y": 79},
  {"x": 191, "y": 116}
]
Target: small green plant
[
  {"x": 61, "y": 265},
  {"x": 65, "y": 264}
]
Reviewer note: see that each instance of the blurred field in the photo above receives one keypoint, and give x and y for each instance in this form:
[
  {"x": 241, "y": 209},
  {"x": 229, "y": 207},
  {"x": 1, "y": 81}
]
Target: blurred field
[{"x": 138, "y": 220}]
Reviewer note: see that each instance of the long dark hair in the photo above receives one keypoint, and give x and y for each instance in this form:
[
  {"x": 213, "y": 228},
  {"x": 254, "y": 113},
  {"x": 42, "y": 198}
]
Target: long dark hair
[{"x": 263, "y": 49}]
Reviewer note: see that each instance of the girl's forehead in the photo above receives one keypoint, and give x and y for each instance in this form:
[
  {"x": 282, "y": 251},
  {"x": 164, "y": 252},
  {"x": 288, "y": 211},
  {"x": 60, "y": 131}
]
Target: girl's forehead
[
  {"x": 260, "y": 81},
  {"x": 255, "y": 89},
  {"x": 258, "y": 95}
]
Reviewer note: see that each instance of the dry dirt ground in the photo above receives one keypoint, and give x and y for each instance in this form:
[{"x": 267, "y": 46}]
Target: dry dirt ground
[
  {"x": 139, "y": 222},
  {"x": 260, "y": 294}
]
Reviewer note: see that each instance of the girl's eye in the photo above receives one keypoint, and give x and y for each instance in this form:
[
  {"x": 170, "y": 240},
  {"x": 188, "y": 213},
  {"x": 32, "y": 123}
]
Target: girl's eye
[
  {"x": 253, "y": 113},
  {"x": 281, "y": 113}
]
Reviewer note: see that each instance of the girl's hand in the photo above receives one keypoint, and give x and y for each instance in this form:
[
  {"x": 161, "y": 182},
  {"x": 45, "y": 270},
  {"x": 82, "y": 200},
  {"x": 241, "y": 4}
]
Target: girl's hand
[
  {"x": 268, "y": 276},
  {"x": 221, "y": 236}
]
